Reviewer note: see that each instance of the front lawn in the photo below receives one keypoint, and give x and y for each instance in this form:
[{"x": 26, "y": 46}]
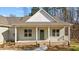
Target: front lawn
[{"x": 74, "y": 46}]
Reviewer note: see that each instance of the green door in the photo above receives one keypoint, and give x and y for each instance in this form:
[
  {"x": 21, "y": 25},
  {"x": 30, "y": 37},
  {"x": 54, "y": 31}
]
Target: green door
[{"x": 41, "y": 34}]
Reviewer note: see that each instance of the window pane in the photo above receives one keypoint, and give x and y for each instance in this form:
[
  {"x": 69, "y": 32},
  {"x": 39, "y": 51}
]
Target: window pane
[
  {"x": 54, "y": 31},
  {"x": 25, "y": 30},
  {"x": 41, "y": 30},
  {"x": 30, "y": 34},
  {"x": 29, "y": 30},
  {"x": 57, "y": 34},
  {"x": 57, "y": 31},
  {"x": 25, "y": 35}
]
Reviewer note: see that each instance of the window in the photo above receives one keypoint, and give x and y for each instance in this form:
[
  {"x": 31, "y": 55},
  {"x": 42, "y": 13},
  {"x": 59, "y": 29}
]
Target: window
[
  {"x": 28, "y": 32},
  {"x": 55, "y": 32},
  {"x": 66, "y": 30}
]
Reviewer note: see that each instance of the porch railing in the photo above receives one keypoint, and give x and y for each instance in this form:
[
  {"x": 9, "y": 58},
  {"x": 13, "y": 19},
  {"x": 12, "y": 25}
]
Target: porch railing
[{"x": 61, "y": 38}]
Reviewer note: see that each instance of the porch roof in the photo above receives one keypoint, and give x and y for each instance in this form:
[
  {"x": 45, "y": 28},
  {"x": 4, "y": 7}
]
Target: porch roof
[
  {"x": 21, "y": 21},
  {"x": 42, "y": 24}
]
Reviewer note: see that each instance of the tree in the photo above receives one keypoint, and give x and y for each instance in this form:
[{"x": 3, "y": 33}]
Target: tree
[
  {"x": 34, "y": 10},
  {"x": 46, "y": 9},
  {"x": 67, "y": 14},
  {"x": 77, "y": 20}
]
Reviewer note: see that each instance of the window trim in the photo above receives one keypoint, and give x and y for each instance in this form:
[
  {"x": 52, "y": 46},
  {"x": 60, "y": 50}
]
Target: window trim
[
  {"x": 55, "y": 33},
  {"x": 27, "y": 32}
]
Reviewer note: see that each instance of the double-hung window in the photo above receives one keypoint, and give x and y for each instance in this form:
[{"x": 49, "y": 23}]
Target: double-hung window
[
  {"x": 55, "y": 32},
  {"x": 28, "y": 32}
]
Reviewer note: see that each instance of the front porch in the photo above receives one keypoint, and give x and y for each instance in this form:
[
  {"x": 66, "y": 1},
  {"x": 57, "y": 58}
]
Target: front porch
[{"x": 41, "y": 35}]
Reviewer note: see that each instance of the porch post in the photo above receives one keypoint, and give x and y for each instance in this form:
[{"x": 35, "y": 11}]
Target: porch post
[
  {"x": 49, "y": 34},
  {"x": 36, "y": 33},
  {"x": 15, "y": 34},
  {"x": 64, "y": 32},
  {"x": 69, "y": 32}
]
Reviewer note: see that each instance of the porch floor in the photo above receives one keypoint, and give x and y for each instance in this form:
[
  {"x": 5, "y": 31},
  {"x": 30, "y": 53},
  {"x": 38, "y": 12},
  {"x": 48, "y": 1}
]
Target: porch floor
[{"x": 40, "y": 42}]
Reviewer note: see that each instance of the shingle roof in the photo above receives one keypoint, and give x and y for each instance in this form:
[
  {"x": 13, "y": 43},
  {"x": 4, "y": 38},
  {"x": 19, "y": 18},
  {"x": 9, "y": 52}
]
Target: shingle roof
[
  {"x": 12, "y": 20},
  {"x": 3, "y": 21},
  {"x": 9, "y": 21},
  {"x": 59, "y": 20}
]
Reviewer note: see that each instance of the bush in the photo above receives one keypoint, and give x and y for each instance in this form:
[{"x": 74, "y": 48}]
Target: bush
[{"x": 10, "y": 41}]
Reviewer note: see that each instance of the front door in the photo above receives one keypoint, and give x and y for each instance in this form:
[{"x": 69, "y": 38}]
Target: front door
[{"x": 41, "y": 34}]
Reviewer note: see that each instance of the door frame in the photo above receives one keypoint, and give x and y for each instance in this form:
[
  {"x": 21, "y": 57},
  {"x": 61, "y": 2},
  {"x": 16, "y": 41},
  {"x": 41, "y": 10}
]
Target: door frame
[{"x": 43, "y": 33}]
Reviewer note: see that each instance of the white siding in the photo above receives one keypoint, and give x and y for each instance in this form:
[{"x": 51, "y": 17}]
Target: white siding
[
  {"x": 22, "y": 37},
  {"x": 38, "y": 18},
  {"x": 62, "y": 36},
  {"x": 21, "y": 34},
  {"x": 52, "y": 38},
  {"x": 41, "y": 16}
]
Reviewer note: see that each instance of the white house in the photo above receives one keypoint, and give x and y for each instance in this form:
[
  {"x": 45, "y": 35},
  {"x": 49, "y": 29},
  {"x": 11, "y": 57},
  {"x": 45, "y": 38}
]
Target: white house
[{"x": 40, "y": 28}]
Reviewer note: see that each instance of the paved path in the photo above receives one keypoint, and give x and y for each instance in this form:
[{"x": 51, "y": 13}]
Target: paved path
[{"x": 41, "y": 48}]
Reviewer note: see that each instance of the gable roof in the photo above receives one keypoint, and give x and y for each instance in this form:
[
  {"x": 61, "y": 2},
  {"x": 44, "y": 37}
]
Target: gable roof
[{"x": 41, "y": 16}]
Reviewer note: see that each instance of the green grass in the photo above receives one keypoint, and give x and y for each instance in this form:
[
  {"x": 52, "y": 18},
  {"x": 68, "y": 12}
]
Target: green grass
[
  {"x": 74, "y": 46},
  {"x": 74, "y": 49}
]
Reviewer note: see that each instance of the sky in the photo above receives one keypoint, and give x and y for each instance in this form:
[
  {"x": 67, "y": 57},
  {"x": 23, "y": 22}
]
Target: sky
[{"x": 17, "y": 11}]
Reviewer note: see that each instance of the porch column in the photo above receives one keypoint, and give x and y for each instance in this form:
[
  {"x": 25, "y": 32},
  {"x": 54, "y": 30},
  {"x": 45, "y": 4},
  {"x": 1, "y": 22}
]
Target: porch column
[
  {"x": 15, "y": 34},
  {"x": 36, "y": 33},
  {"x": 64, "y": 32},
  {"x": 49, "y": 33},
  {"x": 49, "y": 36},
  {"x": 69, "y": 32}
]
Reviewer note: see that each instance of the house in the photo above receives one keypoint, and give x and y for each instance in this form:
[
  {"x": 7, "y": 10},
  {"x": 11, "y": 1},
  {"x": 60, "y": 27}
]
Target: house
[{"x": 40, "y": 28}]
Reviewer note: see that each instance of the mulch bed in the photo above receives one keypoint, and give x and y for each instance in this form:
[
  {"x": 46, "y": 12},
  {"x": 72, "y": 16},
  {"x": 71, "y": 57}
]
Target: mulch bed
[
  {"x": 12, "y": 46},
  {"x": 58, "y": 48}
]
